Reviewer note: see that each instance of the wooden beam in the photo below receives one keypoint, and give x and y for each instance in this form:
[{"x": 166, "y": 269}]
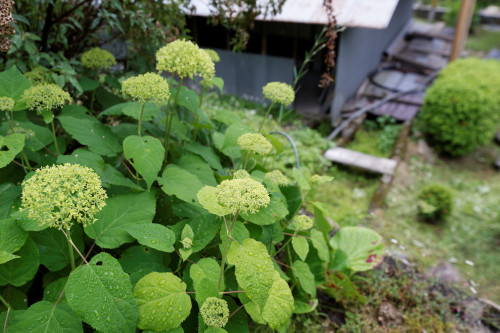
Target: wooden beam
[{"x": 462, "y": 27}]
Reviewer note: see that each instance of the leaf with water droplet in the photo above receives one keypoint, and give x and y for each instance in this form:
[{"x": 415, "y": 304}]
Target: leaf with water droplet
[
  {"x": 12, "y": 236},
  {"x": 45, "y": 317},
  {"x": 162, "y": 301},
  {"x": 153, "y": 235},
  {"x": 20, "y": 271},
  {"x": 102, "y": 289}
]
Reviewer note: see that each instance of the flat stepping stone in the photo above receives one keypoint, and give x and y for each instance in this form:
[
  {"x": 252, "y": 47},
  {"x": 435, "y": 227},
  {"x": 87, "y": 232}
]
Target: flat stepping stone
[{"x": 349, "y": 157}]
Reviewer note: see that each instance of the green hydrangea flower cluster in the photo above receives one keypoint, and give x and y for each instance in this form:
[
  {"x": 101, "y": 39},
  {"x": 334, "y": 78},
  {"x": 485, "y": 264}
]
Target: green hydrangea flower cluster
[
  {"x": 6, "y": 104},
  {"x": 242, "y": 195},
  {"x": 302, "y": 223},
  {"x": 279, "y": 92},
  {"x": 255, "y": 143},
  {"x": 147, "y": 87},
  {"x": 187, "y": 243},
  {"x": 215, "y": 312},
  {"x": 36, "y": 76},
  {"x": 45, "y": 97},
  {"x": 60, "y": 195},
  {"x": 185, "y": 59},
  {"x": 277, "y": 178},
  {"x": 213, "y": 55},
  {"x": 241, "y": 174},
  {"x": 97, "y": 58},
  {"x": 27, "y": 132}
]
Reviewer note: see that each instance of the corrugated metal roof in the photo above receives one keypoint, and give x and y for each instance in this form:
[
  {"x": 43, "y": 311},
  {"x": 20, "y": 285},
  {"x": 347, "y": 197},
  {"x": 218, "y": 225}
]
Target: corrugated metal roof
[{"x": 375, "y": 14}]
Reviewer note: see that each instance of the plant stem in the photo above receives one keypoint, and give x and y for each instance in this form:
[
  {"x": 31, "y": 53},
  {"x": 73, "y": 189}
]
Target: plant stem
[
  {"x": 265, "y": 117},
  {"x": 70, "y": 249},
  {"x": 224, "y": 254},
  {"x": 166, "y": 142},
  {"x": 25, "y": 158},
  {"x": 7, "y": 305},
  {"x": 196, "y": 116},
  {"x": 140, "y": 119},
  {"x": 286, "y": 243},
  {"x": 54, "y": 136},
  {"x": 92, "y": 102}
]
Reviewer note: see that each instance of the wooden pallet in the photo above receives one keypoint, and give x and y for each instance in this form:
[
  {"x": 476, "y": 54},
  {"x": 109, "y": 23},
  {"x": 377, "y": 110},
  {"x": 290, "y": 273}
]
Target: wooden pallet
[{"x": 371, "y": 163}]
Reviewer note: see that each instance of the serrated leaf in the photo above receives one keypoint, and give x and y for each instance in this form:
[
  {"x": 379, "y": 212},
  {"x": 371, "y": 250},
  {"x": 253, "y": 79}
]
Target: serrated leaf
[
  {"x": 275, "y": 211},
  {"x": 90, "y": 132},
  {"x": 181, "y": 183},
  {"x": 132, "y": 109},
  {"x": 46, "y": 317},
  {"x": 206, "y": 288},
  {"x": 207, "y": 153},
  {"x": 42, "y": 136},
  {"x": 12, "y": 236},
  {"x": 21, "y": 270},
  {"x": 153, "y": 235},
  {"x": 146, "y": 156},
  {"x": 10, "y": 146},
  {"x": 25, "y": 223},
  {"x": 302, "y": 272},
  {"x": 101, "y": 294},
  {"x": 6, "y": 256},
  {"x": 197, "y": 166},
  {"x": 108, "y": 174},
  {"x": 121, "y": 211},
  {"x": 363, "y": 248},
  {"x": 301, "y": 247},
  {"x": 206, "y": 268},
  {"x": 320, "y": 245},
  {"x": 162, "y": 301},
  {"x": 53, "y": 247},
  {"x": 207, "y": 198},
  {"x": 52, "y": 293},
  {"x": 254, "y": 269},
  {"x": 13, "y": 84},
  {"x": 279, "y": 305}
]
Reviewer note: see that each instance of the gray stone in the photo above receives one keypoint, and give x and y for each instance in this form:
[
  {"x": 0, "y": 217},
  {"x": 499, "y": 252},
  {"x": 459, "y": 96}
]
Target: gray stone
[
  {"x": 389, "y": 315},
  {"x": 446, "y": 272}
]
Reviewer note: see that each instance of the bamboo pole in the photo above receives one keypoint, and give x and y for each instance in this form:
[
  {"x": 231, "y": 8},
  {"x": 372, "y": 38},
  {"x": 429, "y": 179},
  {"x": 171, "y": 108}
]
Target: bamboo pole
[{"x": 462, "y": 27}]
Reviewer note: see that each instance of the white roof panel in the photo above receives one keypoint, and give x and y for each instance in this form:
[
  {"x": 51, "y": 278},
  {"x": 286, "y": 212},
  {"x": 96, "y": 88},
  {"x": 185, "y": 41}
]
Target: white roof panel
[{"x": 375, "y": 14}]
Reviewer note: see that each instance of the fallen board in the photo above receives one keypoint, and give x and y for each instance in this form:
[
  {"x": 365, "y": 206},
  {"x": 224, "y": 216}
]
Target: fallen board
[{"x": 349, "y": 157}]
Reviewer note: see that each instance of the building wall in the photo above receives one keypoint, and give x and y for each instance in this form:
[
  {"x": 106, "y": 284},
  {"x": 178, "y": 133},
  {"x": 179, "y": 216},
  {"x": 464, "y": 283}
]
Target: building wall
[{"x": 359, "y": 53}]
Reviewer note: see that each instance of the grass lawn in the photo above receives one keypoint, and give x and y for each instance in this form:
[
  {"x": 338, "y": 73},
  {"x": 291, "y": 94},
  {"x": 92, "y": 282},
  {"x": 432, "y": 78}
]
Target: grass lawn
[{"x": 484, "y": 40}]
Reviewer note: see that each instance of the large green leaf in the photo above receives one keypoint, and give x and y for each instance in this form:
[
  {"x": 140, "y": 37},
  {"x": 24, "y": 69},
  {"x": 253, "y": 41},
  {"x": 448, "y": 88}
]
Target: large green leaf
[
  {"x": 8, "y": 194},
  {"x": 42, "y": 135},
  {"x": 12, "y": 236},
  {"x": 254, "y": 269},
  {"x": 204, "y": 228},
  {"x": 43, "y": 317},
  {"x": 101, "y": 294},
  {"x": 303, "y": 273},
  {"x": 275, "y": 211},
  {"x": 13, "y": 84},
  {"x": 301, "y": 247},
  {"x": 146, "y": 156},
  {"x": 90, "y": 132},
  {"x": 6, "y": 256},
  {"x": 319, "y": 243},
  {"x": 362, "y": 248},
  {"x": 10, "y": 146},
  {"x": 108, "y": 174},
  {"x": 238, "y": 323},
  {"x": 197, "y": 166},
  {"x": 206, "y": 152},
  {"x": 206, "y": 268},
  {"x": 21, "y": 270},
  {"x": 121, "y": 211},
  {"x": 207, "y": 198},
  {"x": 53, "y": 291},
  {"x": 53, "y": 246},
  {"x": 180, "y": 182},
  {"x": 162, "y": 301},
  {"x": 279, "y": 305},
  {"x": 88, "y": 84},
  {"x": 153, "y": 235},
  {"x": 132, "y": 109}
]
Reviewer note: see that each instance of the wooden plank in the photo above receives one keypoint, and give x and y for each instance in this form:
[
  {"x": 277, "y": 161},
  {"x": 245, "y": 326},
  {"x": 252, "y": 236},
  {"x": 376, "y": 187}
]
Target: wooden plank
[
  {"x": 462, "y": 27},
  {"x": 349, "y": 157}
]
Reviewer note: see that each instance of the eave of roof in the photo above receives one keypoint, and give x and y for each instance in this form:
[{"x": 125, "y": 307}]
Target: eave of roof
[{"x": 374, "y": 14}]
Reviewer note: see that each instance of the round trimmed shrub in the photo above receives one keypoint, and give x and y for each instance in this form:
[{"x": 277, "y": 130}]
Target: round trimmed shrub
[
  {"x": 461, "y": 110},
  {"x": 435, "y": 202}
]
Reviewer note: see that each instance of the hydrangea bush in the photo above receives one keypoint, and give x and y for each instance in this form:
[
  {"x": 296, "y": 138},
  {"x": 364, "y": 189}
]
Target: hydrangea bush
[{"x": 152, "y": 215}]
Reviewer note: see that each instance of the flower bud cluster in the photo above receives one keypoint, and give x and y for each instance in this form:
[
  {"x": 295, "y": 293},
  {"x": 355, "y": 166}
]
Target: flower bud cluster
[
  {"x": 149, "y": 87},
  {"x": 6, "y": 104},
  {"x": 242, "y": 195},
  {"x": 302, "y": 223},
  {"x": 185, "y": 59},
  {"x": 6, "y": 28},
  {"x": 255, "y": 144},
  {"x": 60, "y": 195},
  {"x": 215, "y": 312},
  {"x": 241, "y": 174},
  {"x": 187, "y": 243},
  {"x": 278, "y": 92},
  {"x": 97, "y": 58},
  {"x": 277, "y": 178},
  {"x": 45, "y": 97},
  {"x": 36, "y": 76}
]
